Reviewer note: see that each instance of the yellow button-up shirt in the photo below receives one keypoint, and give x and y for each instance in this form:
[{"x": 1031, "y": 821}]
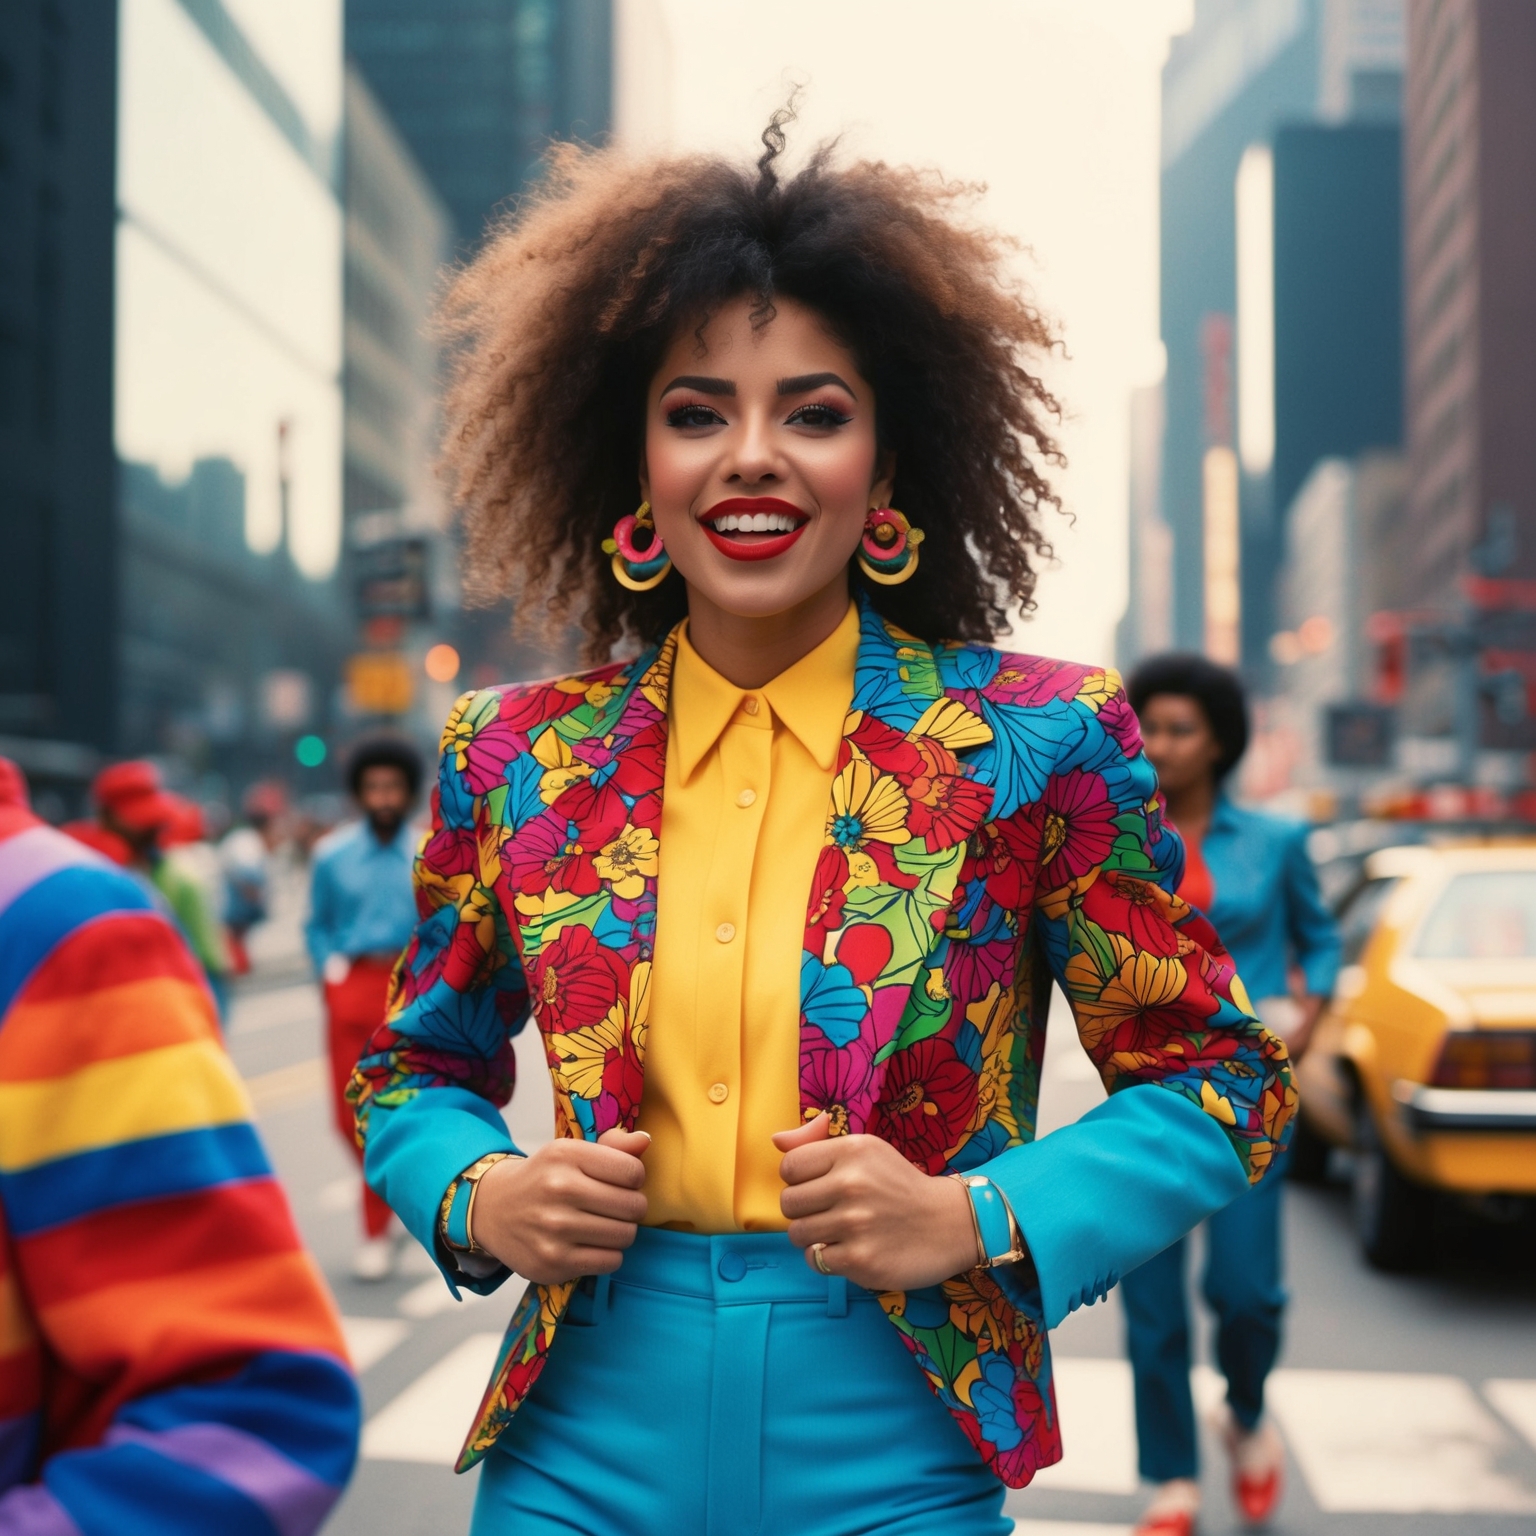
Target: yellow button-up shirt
[{"x": 748, "y": 781}]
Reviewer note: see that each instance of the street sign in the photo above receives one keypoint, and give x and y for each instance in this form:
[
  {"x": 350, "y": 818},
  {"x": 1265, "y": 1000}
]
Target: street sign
[
  {"x": 379, "y": 683},
  {"x": 1359, "y": 735},
  {"x": 392, "y": 580}
]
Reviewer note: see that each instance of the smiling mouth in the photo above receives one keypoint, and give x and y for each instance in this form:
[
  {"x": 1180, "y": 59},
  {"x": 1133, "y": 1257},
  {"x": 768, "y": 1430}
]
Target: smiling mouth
[{"x": 753, "y": 527}]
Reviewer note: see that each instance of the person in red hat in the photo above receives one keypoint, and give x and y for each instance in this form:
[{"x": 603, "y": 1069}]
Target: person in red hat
[{"x": 133, "y": 805}]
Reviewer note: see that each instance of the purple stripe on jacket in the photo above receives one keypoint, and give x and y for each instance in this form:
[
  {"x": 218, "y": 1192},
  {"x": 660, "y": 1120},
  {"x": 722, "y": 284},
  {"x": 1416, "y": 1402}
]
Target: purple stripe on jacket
[
  {"x": 290, "y": 1496},
  {"x": 33, "y": 1511},
  {"x": 35, "y": 854}
]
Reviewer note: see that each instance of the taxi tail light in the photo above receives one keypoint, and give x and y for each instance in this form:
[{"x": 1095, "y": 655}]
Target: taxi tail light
[{"x": 1504, "y": 1058}]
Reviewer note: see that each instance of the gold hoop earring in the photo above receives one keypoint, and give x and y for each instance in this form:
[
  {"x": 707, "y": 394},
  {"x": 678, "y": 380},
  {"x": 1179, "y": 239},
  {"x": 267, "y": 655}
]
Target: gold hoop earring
[
  {"x": 888, "y": 550},
  {"x": 637, "y": 569}
]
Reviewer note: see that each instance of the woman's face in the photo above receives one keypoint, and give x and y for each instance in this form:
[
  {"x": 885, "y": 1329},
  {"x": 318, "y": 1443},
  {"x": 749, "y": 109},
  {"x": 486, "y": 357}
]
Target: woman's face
[
  {"x": 1179, "y": 741},
  {"x": 747, "y": 428}
]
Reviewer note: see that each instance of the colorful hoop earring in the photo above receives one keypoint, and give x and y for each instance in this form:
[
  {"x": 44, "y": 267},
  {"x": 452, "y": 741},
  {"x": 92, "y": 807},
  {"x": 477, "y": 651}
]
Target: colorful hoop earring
[
  {"x": 637, "y": 569},
  {"x": 888, "y": 550}
]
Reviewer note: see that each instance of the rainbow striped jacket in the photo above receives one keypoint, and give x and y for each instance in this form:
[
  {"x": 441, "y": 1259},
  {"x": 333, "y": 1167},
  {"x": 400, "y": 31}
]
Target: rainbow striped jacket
[
  {"x": 993, "y": 826},
  {"x": 170, "y": 1359}
]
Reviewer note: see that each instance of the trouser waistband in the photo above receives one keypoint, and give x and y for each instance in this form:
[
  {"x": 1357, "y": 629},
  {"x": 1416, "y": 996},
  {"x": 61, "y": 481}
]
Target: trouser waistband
[
  {"x": 736, "y": 1269},
  {"x": 743, "y": 1276}
]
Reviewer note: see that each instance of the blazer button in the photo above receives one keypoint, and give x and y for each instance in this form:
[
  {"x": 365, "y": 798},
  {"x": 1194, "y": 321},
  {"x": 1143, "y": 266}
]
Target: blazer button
[
  {"x": 718, "y": 1093},
  {"x": 746, "y": 798},
  {"x": 726, "y": 932},
  {"x": 749, "y": 704}
]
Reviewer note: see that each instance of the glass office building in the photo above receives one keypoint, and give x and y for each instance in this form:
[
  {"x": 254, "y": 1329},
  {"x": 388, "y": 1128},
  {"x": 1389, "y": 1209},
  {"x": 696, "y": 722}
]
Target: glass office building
[{"x": 228, "y": 406}]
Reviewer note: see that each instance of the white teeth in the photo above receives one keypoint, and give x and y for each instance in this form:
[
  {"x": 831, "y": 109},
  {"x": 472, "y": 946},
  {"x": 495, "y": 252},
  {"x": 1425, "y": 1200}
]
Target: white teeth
[{"x": 755, "y": 522}]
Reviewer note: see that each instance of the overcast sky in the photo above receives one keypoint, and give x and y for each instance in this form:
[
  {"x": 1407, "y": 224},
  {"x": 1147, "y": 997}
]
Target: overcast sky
[{"x": 1052, "y": 103}]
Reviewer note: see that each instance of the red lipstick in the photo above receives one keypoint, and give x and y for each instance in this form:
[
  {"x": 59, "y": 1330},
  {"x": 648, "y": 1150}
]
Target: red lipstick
[{"x": 722, "y": 526}]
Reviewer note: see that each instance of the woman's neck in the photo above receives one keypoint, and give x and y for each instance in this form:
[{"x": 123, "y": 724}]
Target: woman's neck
[
  {"x": 1190, "y": 808},
  {"x": 751, "y": 651}
]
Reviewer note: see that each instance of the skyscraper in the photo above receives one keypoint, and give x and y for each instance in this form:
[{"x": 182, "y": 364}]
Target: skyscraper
[
  {"x": 1470, "y": 129},
  {"x": 58, "y": 598},
  {"x": 228, "y": 419},
  {"x": 479, "y": 88},
  {"x": 1244, "y": 69},
  {"x": 1338, "y": 296}
]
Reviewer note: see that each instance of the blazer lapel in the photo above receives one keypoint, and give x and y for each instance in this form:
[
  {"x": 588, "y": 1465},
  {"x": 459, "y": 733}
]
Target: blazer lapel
[
  {"x": 905, "y": 800},
  {"x": 583, "y": 854}
]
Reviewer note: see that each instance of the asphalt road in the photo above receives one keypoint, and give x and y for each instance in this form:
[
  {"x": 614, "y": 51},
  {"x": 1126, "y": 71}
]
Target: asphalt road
[{"x": 1408, "y": 1404}]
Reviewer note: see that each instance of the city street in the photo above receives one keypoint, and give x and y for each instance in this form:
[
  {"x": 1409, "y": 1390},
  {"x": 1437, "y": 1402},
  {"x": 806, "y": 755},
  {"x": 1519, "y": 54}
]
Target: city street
[{"x": 1408, "y": 1403}]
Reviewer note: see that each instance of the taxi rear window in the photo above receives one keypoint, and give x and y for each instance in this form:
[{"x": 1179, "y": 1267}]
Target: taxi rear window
[{"x": 1486, "y": 916}]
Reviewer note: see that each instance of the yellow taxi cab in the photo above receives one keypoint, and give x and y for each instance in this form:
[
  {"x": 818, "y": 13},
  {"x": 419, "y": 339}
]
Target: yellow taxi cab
[{"x": 1424, "y": 1062}]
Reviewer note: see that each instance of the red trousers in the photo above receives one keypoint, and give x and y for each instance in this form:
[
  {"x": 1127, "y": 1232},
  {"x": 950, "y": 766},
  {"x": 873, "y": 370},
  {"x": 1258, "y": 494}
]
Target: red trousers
[{"x": 354, "y": 1009}]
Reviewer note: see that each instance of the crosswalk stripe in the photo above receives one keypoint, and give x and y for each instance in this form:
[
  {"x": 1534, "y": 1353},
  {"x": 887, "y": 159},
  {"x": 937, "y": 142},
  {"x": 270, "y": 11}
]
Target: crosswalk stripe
[
  {"x": 1098, "y": 1428},
  {"x": 1516, "y": 1400},
  {"x": 1366, "y": 1441},
  {"x": 1389, "y": 1441},
  {"x": 1067, "y": 1528},
  {"x": 284, "y": 1087},
  {"x": 428, "y": 1421},
  {"x": 369, "y": 1339},
  {"x": 432, "y": 1296}
]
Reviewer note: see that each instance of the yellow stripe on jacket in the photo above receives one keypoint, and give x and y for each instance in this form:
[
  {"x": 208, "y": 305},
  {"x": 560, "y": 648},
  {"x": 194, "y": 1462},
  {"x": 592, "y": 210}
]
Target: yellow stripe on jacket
[{"x": 154, "y": 1093}]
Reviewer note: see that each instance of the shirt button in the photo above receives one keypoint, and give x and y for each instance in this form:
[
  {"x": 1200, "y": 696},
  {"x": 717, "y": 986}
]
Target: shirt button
[
  {"x": 750, "y": 704},
  {"x": 718, "y": 1093},
  {"x": 746, "y": 797},
  {"x": 726, "y": 932}
]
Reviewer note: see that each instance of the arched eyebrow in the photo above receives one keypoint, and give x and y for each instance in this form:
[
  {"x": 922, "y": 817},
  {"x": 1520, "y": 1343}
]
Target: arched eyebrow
[
  {"x": 805, "y": 382},
  {"x": 703, "y": 384}
]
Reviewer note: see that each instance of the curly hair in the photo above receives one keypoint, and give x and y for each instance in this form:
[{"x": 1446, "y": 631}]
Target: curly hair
[
  {"x": 557, "y": 327},
  {"x": 1216, "y": 689}
]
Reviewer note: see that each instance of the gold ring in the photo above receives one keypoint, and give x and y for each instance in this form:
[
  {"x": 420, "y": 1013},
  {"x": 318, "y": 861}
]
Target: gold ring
[{"x": 817, "y": 1252}]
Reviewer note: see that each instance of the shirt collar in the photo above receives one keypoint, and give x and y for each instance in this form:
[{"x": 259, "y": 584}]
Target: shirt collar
[{"x": 811, "y": 698}]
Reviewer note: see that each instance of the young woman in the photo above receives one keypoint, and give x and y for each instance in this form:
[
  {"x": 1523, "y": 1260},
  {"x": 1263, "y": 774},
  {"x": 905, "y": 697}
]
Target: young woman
[
  {"x": 785, "y": 891},
  {"x": 1251, "y": 874}
]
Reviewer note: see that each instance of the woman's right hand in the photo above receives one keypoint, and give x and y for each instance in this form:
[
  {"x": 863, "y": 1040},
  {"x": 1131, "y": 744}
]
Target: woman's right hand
[{"x": 569, "y": 1209}]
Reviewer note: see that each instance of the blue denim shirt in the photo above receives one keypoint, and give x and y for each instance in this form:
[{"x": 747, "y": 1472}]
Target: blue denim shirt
[
  {"x": 360, "y": 896},
  {"x": 1267, "y": 907}
]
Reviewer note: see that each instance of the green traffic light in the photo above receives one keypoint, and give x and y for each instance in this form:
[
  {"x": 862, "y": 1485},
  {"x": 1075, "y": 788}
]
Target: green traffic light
[{"x": 310, "y": 751}]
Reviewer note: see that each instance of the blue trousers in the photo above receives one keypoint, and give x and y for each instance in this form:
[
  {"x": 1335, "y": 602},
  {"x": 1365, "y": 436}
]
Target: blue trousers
[
  {"x": 717, "y": 1386},
  {"x": 1243, "y": 1288}
]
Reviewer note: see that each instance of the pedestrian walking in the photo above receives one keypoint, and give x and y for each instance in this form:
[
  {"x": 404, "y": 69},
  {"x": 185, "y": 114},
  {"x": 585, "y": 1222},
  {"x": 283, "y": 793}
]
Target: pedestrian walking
[
  {"x": 1250, "y": 874},
  {"x": 245, "y": 855},
  {"x": 361, "y": 915},
  {"x": 169, "y": 1358},
  {"x": 784, "y": 890},
  {"x": 134, "y": 807}
]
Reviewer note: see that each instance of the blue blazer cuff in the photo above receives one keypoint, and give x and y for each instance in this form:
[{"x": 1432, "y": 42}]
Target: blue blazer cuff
[
  {"x": 1097, "y": 1198},
  {"x": 415, "y": 1150}
]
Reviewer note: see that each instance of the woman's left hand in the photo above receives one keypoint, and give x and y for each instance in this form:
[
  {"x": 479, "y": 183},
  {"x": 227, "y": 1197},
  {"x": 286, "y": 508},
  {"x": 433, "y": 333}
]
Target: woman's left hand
[{"x": 886, "y": 1225}]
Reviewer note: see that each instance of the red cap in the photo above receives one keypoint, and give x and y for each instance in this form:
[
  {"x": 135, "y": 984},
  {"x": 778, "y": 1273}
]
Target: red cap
[
  {"x": 133, "y": 795},
  {"x": 13, "y": 786},
  {"x": 186, "y": 824}
]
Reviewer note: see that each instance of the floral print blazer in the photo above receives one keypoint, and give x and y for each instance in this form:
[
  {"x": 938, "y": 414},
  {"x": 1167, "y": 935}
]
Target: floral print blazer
[{"x": 993, "y": 824}]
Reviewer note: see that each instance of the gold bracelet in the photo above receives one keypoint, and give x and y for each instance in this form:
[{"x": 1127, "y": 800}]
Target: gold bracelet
[
  {"x": 970, "y": 1205},
  {"x": 474, "y": 1174}
]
